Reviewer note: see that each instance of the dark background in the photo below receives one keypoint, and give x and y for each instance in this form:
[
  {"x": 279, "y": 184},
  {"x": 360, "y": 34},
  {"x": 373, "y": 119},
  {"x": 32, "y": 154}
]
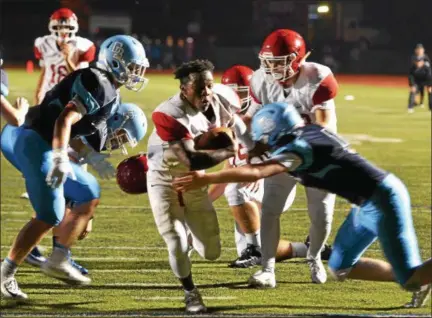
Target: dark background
[{"x": 231, "y": 31}]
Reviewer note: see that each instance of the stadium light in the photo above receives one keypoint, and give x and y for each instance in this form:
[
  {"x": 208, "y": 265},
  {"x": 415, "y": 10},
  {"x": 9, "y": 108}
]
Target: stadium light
[{"x": 323, "y": 8}]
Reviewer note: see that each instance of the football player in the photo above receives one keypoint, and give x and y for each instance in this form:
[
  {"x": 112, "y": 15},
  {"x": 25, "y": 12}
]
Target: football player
[
  {"x": 284, "y": 76},
  {"x": 61, "y": 52},
  {"x": 172, "y": 152},
  {"x": 80, "y": 105},
  {"x": 245, "y": 199},
  {"x": 319, "y": 158}
]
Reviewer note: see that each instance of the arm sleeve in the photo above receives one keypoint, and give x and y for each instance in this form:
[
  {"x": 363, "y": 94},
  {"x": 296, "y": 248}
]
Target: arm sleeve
[
  {"x": 326, "y": 91},
  {"x": 89, "y": 91},
  {"x": 88, "y": 56},
  {"x": 4, "y": 83},
  {"x": 37, "y": 52},
  {"x": 169, "y": 129}
]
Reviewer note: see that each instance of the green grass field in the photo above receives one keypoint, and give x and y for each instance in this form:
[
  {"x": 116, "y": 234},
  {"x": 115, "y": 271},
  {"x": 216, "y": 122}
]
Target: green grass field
[{"x": 127, "y": 257}]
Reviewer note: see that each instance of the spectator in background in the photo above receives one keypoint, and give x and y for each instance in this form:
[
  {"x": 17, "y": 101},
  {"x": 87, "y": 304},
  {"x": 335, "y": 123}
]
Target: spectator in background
[
  {"x": 168, "y": 53},
  {"x": 180, "y": 52},
  {"x": 156, "y": 54},
  {"x": 420, "y": 76},
  {"x": 329, "y": 60},
  {"x": 189, "y": 49},
  {"x": 419, "y": 52}
]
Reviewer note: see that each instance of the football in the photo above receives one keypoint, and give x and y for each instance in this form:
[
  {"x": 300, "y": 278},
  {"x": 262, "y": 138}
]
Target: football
[
  {"x": 132, "y": 174},
  {"x": 216, "y": 138}
]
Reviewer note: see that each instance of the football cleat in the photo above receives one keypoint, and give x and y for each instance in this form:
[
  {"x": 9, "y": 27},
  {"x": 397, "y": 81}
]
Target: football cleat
[
  {"x": 82, "y": 269},
  {"x": 10, "y": 289},
  {"x": 250, "y": 257},
  {"x": 420, "y": 298},
  {"x": 65, "y": 272},
  {"x": 35, "y": 257},
  {"x": 318, "y": 272},
  {"x": 262, "y": 279},
  {"x": 194, "y": 302}
]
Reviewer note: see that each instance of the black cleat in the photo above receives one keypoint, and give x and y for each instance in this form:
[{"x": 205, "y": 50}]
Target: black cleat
[{"x": 250, "y": 257}]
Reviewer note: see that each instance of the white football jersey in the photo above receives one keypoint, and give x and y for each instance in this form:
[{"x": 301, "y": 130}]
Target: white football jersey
[
  {"x": 301, "y": 94},
  {"x": 174, "y": 120},
  {"x": 49, "y": 55}
]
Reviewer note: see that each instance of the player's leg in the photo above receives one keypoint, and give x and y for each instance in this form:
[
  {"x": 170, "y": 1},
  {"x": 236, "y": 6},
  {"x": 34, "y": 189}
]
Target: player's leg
[
  {"x": 247, "y": 216},
  {"x": 276, "y": 192},
  {"x": 421, "y": 88},
  {"x": 240, "y": 239},
  {"x": 356, "y": 234},
  {"x": 320, "y": 208},
  {"x": 57, "y": 232},
  {"x": 32, "y": 155},
  {"x": 399, "y": 241},
  {"x": 413, "y": 90},
  {"x": 84, "y": 191},
  {"x": 168, "y": 211}
]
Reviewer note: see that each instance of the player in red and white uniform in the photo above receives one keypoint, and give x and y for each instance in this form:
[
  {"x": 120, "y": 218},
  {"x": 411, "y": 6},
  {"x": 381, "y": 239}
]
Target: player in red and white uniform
[
  {"x": 284, "y": 76},
  {"x": 171, "y": 152},
  {"x": 61, "y": 52},
  {"x": 245, "y": 199}
]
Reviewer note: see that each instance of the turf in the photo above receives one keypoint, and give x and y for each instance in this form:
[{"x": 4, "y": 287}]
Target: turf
[{"x": 128, "y": 261}]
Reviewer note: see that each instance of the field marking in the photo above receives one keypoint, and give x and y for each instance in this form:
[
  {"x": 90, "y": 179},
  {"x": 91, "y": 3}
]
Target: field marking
[
  {"x": 108, "y": 258},
  {"x": 181, "y": 298},
  {"x": 149, "y": 270},
  {"x": 182, "y": 315}
]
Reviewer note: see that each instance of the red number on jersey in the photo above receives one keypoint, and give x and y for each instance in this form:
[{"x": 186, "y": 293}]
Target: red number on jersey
[
  {"x": 61, "y": 73},
  {"x": 240, "y": 155}
]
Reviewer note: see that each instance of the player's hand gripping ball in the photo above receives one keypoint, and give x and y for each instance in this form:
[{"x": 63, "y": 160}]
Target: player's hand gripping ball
[
  {"x": 216, "y": 138},
  {"x": 132, "y": 174}
]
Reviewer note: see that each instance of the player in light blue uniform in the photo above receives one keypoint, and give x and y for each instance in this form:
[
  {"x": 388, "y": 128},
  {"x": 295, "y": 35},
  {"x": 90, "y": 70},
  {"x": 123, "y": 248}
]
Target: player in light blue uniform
[
  {"x": 80, "y": 105},
  {"x": 321, "y": 159}
]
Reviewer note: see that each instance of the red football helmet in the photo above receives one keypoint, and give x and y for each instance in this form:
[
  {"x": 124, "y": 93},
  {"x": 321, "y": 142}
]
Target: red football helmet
[
  {"x": 282, "y": 53},
  {"x": 132, "y": 174},
  {"x": 238, "y": 77},
  {"x": 63, "y": 24}
]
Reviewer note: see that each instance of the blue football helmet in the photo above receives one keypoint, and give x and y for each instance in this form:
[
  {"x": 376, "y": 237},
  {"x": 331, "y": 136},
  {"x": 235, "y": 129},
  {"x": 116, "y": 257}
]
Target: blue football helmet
[
  {"x": 127, "y": 126},
  {"x": 273, "y": 121},
  {"x": 126, "y": 60}
]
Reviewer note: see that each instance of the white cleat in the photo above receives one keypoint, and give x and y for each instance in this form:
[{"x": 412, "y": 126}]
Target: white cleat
[
  {"x": 410, "y": 111},
  {"x": 317, "y": 269},
  {"x": 24, "y": 196},
  {"x": 65, "y": 272},
  {"x": 194, "y": 302},
  {"x": 420, "y": 298},
  {"x": 262, "y": 279},
  {"x": 11, "y": 291}
]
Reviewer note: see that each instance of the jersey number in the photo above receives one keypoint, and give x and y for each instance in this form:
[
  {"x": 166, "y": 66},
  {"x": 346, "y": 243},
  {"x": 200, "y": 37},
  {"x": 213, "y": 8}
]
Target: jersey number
[{"x": 61, "y": 73}]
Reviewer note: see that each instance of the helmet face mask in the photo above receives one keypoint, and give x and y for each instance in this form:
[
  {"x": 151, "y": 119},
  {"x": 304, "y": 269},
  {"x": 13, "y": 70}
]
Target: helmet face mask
[
  {"x": 245, "y": 97},
  {"x": 279, "y": 67},
  {"x": 238, "y": 78},
  {"x": 126, "y": 128}
]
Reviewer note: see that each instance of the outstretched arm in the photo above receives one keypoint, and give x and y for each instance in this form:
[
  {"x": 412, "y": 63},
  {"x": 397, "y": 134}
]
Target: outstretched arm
[{"x": 247, "y": 173}]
